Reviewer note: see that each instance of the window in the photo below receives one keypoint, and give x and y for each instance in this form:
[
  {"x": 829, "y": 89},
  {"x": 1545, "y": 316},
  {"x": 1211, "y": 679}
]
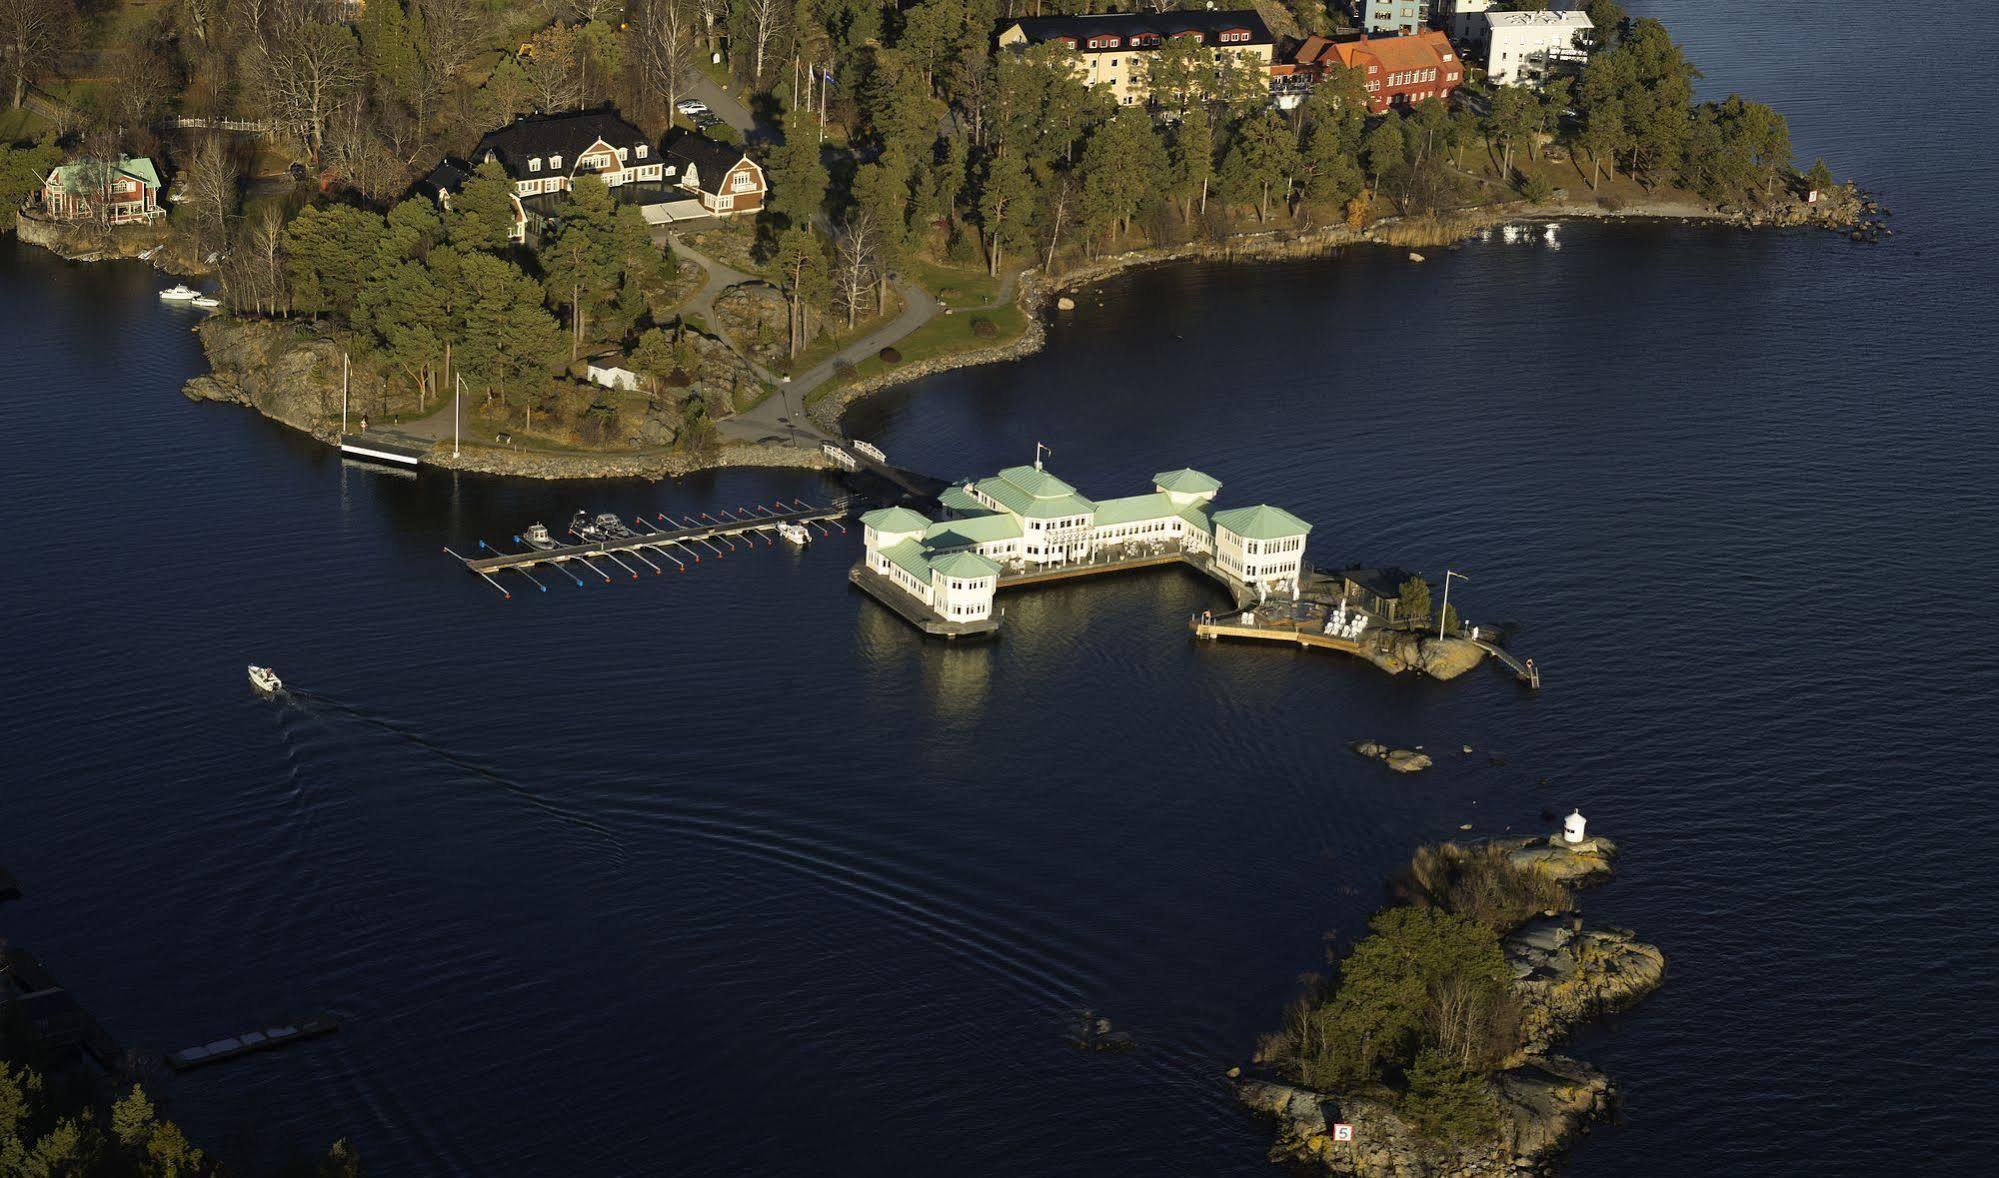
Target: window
[
  {"x": 742, "y": 182},
  {"x": 621, "y": 153},
  {"x": 534, "y": 164},
  {"x": 555, "y": 161},
  {"x": 640, "y": 151}
]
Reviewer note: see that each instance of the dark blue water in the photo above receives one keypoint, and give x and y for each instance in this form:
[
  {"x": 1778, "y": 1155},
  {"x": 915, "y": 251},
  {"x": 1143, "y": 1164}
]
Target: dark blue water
[{"x": 729, "y": 873}]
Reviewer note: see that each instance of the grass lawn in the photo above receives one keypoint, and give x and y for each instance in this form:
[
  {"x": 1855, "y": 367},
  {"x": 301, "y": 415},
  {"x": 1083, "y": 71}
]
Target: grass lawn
[
  {"x": 955, "y": 286},
  {"x": 946, "y": 335},
  {"x": 22, "y": 124},
  {"x": 823, "y": 347}
]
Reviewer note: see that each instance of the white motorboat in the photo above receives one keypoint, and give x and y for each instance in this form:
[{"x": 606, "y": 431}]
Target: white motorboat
[
  {"x": 795, "y": 534},
  {"x": 537, "y": 537},
  {"x": 206, "y": 301},
  {"x": 265, "y": 680},
  {"x": 180, "y": 294}
]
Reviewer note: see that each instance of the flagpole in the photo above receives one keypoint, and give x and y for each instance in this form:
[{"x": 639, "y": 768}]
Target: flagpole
[
  {"x": 455, "y": 391},
  {"x": 343, "y": 392}
]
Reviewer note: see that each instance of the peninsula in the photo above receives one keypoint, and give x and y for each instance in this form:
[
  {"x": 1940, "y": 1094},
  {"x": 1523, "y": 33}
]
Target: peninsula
[
  {"x": 501, "y": 241},
  {"x": 1431, "y": 1050}
]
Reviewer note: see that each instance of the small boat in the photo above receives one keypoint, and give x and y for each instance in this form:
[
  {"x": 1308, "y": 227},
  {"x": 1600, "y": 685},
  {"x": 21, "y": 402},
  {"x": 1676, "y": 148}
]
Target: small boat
[
  {"x": 608, "y": 524},
  {"x": 206, "y": 301},
  {"x": 537, "y": 537},
  {"x": 180, "y": 294},
  {"x": 582, "y": 528},
  {"x": 795, "y": 534},
  {"x": 265, "y": 680}
]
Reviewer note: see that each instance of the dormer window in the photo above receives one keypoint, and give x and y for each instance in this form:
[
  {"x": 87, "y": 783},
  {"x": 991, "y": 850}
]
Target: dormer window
[
  {"x": 1235, "y": 35},
  {"x": 555, "y": 161},
  {"x": 1195, "y": 34},
  {"x": 621, "y": 153},
  {"x": 640, "y": 150},
  {"x": 534, "y": 164},
  {"x": 1103, "y": 42}
]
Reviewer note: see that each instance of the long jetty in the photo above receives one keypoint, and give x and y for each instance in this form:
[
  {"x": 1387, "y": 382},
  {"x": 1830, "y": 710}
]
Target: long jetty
[{"x": 688, "y": 537}]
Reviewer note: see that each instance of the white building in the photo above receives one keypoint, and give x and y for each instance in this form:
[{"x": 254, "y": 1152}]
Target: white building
[
  {"x": 1025, "y": 520},
  {"x": 1464, "y": 21},
  {"x": 1526, "y": 48}
]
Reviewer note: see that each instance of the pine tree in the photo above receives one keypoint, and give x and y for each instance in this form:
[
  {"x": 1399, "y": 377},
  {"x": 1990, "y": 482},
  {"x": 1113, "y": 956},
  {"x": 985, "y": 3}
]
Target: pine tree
[{"x": 482, "y": 212}]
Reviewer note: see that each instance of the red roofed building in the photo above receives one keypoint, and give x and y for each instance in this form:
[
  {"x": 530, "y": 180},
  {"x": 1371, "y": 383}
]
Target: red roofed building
[{"x": 1399, "y": 72}]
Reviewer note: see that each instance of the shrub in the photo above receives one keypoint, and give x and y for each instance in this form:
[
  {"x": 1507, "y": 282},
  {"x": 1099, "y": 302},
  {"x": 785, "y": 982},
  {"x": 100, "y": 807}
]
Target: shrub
[
  {"x": 843, "y": 368},
  {"x": 1609, "y": 203},
  {"x": 723, "y": 133},
  {"x": 890, "y": 356},
  {"x": 679, "y": 378},
  {"x": 1536, "y": 188},
  {"x": 984, "y": 329},
  {"x": 1481, "y": 883}
]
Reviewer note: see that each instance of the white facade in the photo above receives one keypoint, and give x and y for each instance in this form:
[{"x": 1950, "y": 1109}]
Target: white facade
[
  {"x": 1024, "y": 519},
  {"x": 1465, "y": 21},
  {"x": 613, "y": 377},
  {"x": 1524, "y": 48}
]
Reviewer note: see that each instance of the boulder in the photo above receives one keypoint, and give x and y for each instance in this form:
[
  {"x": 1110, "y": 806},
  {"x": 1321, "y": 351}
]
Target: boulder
[
  {"x": 1447, "y": 658},
  {"x": 1407, "y": 761},
  {"x": 1065, "y": 303}
]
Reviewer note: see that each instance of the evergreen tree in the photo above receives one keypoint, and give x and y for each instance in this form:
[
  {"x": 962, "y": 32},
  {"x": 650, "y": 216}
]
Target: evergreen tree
[
  {"x": 1193, "y": 158},
  {"x": 798, "y": 179},
  {"x": 482, "y": 212},
  {"x": 1125, "y": 170}
]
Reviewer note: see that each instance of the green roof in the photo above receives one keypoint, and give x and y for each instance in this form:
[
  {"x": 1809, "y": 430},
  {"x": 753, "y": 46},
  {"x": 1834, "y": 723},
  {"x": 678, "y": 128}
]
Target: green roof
[
  {"x": 1020, "y": 501},
  {"x": 1199, "y": 515},
  {"x": 1036, "y": 482},
  {"x": 978, "y": 529},
  {"x": 908, "y": 555},
  {"x": 82, "y": 174},
  {"x": 1262, "y": 522},
  {"x": 1186, "y": 482},
  {"x": 957, "y": 498},
  {"x": 895, "y": 519},
  {"x": 969, "y": 565},
  {"x": 1134, "y": 508},
  {"x": 1035, "y": 494}
]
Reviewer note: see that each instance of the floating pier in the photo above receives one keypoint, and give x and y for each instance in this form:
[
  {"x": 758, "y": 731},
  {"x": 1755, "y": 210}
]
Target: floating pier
[
  {"x": 249, "y": 1042},
  {"x": 678, "y": 542},
  {"x": 392, "y": 454}
]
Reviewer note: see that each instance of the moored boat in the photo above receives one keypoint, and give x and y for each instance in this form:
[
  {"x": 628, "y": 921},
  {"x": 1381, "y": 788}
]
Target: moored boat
[{"x": 180, "y": 294}]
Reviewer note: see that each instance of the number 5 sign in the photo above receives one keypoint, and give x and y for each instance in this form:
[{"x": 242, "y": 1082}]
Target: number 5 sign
[{"x": 1342, "y": 1132}]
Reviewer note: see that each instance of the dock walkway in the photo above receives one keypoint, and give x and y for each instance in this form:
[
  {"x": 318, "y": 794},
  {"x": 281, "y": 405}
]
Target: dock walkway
[
  {"x": 1526, "y": 671},
  {"x": 264, "y": 1039}
]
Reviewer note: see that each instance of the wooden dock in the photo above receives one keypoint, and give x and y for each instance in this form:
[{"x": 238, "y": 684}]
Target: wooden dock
[
  {"x": 380, "y": 450},
  {"x": 1525, "y": 671},
  {"x": 1301, "y": 635},
  {"x": 248, "y": 1043},
  {"x": 679, "y": 543}
]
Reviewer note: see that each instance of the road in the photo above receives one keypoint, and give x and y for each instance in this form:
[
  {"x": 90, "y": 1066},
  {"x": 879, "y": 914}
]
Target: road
[{"x": 726, "y": 106}]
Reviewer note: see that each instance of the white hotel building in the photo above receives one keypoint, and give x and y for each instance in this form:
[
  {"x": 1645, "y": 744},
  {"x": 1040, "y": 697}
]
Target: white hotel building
[{"x": 1024, "y": 520}]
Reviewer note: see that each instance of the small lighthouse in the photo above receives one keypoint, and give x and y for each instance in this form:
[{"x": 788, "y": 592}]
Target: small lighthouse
[{"x": 1572, "y": 827}]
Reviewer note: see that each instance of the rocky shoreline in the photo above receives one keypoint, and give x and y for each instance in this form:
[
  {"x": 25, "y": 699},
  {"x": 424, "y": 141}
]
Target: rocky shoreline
[
  {"x": 296, "y": 384},
  {"x": 1564, "y": 975}
]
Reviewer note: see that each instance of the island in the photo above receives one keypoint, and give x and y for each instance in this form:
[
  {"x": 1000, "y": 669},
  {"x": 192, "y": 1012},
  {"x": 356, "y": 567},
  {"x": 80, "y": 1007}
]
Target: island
[
  {"x": 478, "y": 236},
  {"x": 1432, "y": 1048}
]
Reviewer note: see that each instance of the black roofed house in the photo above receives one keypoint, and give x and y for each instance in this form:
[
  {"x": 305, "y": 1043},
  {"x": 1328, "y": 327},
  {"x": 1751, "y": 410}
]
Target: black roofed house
[
  {"x": 543, "y": 154},
  {"x": 726, "y": 180}
]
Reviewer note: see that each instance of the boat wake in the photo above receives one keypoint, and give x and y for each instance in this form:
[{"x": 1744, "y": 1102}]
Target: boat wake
[{"x": 323, "y": 706}]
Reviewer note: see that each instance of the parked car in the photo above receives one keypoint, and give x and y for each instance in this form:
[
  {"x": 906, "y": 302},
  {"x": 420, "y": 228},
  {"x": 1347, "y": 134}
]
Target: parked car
[
  {"x": 706, "y": 119},
  {"x": 691, "y": 106}
]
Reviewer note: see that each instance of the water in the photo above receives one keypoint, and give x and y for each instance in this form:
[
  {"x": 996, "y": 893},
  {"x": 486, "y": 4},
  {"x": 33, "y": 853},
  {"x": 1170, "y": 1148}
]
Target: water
[{"x": 730, "y": 873}]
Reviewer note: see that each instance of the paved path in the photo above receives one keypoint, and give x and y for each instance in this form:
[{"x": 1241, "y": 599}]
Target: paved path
[{"x": 727, "y": 107}]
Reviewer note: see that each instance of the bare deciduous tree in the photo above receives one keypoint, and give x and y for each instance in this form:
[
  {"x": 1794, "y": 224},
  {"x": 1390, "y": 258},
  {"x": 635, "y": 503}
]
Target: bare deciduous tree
[
  {"x": 34, "y": 34},
  {"x": 307, "y": 69},
  {"x": 857, "y": 263},
  {"x": 665, "y": 32},
  {"x": 209, "y": 185}
]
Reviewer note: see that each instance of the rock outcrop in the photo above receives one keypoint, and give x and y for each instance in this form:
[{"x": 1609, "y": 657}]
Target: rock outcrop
[
  {"x": 1447, "y": 658},
  {"x": 1400, "y": 760},
  {"x": 1563, "y": 976},
  {"x": 276, "y": 369},
  {"x": 1545, "y": 1103}
]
